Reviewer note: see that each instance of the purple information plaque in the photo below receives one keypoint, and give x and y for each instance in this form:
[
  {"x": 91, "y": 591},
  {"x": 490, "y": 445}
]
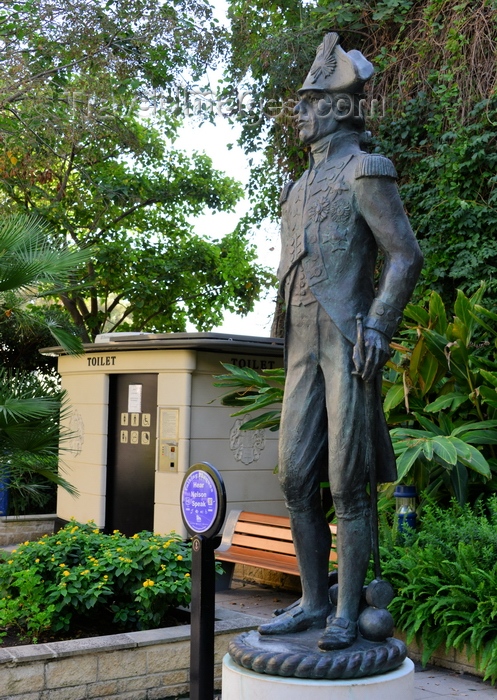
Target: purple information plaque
[{"x": 200, "y": 499}]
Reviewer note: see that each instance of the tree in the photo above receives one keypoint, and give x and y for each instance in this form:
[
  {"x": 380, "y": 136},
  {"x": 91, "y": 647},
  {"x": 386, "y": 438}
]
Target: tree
[
  {"x": 30, "y": 403},
  {"x": 432, "y": 104},
  {"x": 80, "y": 152}
]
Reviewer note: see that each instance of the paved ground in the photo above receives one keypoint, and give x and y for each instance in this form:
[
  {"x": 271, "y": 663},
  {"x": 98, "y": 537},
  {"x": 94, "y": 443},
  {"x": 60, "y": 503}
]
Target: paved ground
[{"x": 430, "y": 683}]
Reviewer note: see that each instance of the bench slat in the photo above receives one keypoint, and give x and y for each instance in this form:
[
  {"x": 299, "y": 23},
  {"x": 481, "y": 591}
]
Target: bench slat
[
  {"x": 264, "y": 531},
  {"x": 250, "y": 545},
  {"x": 267, "y": 545},
  {"x": 271, "y": 532},
  {"x": 264, "y": 519},
  {"x": 277, "y": 562}
]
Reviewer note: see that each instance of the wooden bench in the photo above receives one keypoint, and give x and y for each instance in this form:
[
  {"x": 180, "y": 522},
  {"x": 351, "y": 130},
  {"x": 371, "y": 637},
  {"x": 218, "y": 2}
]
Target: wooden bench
[{"x": 260, "y": 540}]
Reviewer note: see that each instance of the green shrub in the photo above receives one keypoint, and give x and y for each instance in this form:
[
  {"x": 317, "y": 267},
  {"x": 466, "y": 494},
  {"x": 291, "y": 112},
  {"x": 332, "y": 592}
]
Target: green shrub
[
  {"x": 442, "y": 396},
  {"x": 446, "y": 581},
  {"x": 440, "y": 390},
  {"x": 80, "y": 574}
]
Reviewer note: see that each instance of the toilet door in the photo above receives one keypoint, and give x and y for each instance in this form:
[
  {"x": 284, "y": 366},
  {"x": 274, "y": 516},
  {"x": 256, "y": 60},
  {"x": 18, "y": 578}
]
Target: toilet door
[{"x": 131, "y": 453}]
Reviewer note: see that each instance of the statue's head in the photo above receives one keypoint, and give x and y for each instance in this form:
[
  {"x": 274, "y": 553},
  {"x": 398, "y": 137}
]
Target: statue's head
[{"x": 331, "y": 94}]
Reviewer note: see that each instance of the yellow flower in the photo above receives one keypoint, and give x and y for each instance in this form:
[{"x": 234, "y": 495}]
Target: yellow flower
[
  {"x": 96, "y": 532},
  {"x": 106, "y": 577},
  {"x": 37, "y": 561},
  {"x": 148, "y": 583},
  {"x": 73, "y": 529},
  {"x": 179, "y": 558},
  {"x": 58, "y": 542},
  {"x": 62, "y": 565},
  {"x": 66, "y": 573},
  {"x": 187, "y": 575},
  {"x": 135, "y": 537},
  {"x": 27, "y": 542},
  {"x": 115, "y": 532},
  {"x": 86, "y": 571},
  {"x": 11, "y": 561}
]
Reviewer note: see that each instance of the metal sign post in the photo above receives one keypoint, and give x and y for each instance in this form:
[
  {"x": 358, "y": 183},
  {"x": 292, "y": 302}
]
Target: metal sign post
[{"x": 203, "y": 507}]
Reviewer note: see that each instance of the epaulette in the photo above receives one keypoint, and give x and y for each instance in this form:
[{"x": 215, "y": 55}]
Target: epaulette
[
  {"x": 375, "y": 165},
  {"x": 286, "y": 191}
]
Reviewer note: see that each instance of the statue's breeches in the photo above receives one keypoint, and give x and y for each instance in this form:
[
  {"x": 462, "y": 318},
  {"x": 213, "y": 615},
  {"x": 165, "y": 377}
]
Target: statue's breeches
[{"x": 323, "y": 420}]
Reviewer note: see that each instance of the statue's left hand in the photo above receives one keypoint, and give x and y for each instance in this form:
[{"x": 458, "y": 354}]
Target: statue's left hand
[{"x": 376, "y": 353}]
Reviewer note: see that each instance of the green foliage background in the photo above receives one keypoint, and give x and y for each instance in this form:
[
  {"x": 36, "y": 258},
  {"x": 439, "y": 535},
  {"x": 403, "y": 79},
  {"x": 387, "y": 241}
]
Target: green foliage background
[
  {"x": 31, "y": 402},
  {"x": 446, "y": 577},
  {"x": 31, "y": 438},
  {"x": 440, "y": 398},
  {"x": 435, "y": 113}
]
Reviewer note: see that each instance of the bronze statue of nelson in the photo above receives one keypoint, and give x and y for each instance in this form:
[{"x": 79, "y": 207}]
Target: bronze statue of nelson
[{"x": 335, "y": 219}]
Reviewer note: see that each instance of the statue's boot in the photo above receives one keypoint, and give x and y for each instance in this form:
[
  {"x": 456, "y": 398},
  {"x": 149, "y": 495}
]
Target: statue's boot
[
  {"x": 339, "y": 634},
  {"x": 353, "y": 550},
  {"x": 312, "y": 540},
  {"x": 296, "y": 620}
]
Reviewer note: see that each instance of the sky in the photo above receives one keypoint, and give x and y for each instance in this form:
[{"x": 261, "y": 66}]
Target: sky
[{"x": 213, "y": 139}]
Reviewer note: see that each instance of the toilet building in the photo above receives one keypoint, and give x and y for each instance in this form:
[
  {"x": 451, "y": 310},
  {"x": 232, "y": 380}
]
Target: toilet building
[{"x": 143, "y": 410}]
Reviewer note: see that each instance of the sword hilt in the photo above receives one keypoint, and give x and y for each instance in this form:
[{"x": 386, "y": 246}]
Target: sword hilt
[{"x": 360, "y": 341}]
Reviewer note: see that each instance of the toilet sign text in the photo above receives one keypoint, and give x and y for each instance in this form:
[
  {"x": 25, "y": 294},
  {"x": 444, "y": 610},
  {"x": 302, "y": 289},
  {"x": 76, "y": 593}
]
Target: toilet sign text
[{"x": 99, "y": 361}]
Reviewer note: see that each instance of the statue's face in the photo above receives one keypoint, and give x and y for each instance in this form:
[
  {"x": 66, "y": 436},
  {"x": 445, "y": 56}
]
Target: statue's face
[{"x": 315, "y": 116}]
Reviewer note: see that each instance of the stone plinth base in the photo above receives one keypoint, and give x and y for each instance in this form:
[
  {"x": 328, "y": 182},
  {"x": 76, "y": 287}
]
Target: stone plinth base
[
  {"x": 240, "y": 683},
  {"x": 297, "y": 655}
]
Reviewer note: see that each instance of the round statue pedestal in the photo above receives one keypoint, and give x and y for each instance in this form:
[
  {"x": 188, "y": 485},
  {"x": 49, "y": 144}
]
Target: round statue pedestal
[{"x": 239, "y": 683}]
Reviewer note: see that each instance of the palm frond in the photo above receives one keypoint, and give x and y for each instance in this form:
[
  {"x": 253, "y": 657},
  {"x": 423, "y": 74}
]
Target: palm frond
[{"x": 28, "y": 257}]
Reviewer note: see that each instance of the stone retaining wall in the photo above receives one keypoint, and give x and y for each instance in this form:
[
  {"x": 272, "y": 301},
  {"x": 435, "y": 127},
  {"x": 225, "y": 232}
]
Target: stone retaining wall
[
  {"x": 266, "y": 577},
  {"x": 19, "y": 528},
  {"x": 451, "y": 659},
  {"x": 148, "y": 665}
]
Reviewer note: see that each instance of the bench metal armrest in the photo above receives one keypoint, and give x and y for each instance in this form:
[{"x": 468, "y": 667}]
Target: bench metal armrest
[{"x": 229, "y": 530}]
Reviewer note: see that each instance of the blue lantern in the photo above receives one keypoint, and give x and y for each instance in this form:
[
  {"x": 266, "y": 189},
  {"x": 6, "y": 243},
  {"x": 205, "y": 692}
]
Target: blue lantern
[{"x": 405, "y": 507}]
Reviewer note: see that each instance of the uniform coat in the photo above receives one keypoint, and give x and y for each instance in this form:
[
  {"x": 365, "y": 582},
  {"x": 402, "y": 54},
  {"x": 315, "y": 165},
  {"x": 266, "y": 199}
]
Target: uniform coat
[{"x": 335, "y": 218}]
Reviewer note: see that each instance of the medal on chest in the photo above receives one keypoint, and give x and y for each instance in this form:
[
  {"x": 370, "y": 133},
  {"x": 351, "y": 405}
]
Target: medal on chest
[{"x": 329, "y": 208}]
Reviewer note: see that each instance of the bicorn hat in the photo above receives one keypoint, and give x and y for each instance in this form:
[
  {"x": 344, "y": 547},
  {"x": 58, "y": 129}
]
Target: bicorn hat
[{"x": 334, "y": 70}]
